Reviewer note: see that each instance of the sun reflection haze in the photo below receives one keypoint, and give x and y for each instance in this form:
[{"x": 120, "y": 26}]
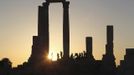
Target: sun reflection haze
[{"x": 52, "y": 56}]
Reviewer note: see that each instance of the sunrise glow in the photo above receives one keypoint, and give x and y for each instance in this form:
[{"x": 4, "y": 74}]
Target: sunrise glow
[{"x": 52, "y": 56}]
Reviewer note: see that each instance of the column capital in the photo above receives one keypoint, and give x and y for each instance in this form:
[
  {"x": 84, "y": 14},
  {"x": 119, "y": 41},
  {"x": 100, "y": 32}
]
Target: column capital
[
  {"x": 46, "y": 4},
  {"x": 66, "y": 4},
  {"x": 55, "y": 1}
]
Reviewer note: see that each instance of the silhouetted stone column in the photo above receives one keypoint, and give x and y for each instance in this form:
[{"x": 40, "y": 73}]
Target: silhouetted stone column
[
  {"x": 108, "y": 60},
  {"x": 127, "y": 65},
  {"x": 43, "y": 20},
  {"x": 89, "y": 47},
  {"x": 40, "y": 47},
  {"x": 46, "y": 29},
  {"x": 66, "y": 36},
  {"x": 43, "y": 30},
  {"x": 109, "y": 45}
]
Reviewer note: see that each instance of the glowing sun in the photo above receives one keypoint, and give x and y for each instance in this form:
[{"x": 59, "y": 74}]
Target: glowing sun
[{"x": 52, "y": 56}]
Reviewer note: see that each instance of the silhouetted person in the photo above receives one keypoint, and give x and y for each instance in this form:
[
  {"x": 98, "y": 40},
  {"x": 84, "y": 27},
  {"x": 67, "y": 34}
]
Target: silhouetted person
[
  {"x": 72, "y": 57},
  {"x": 61, "y": 54},
  {"x": 58, "y": 56}
]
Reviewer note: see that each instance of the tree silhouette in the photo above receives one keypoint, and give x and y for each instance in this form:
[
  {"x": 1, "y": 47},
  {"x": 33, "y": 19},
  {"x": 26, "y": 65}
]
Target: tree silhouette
[{"x": 5, "y": 66}]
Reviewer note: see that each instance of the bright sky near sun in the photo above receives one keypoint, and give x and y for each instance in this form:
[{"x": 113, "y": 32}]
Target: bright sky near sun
[{"x": 18, "y": 23}]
